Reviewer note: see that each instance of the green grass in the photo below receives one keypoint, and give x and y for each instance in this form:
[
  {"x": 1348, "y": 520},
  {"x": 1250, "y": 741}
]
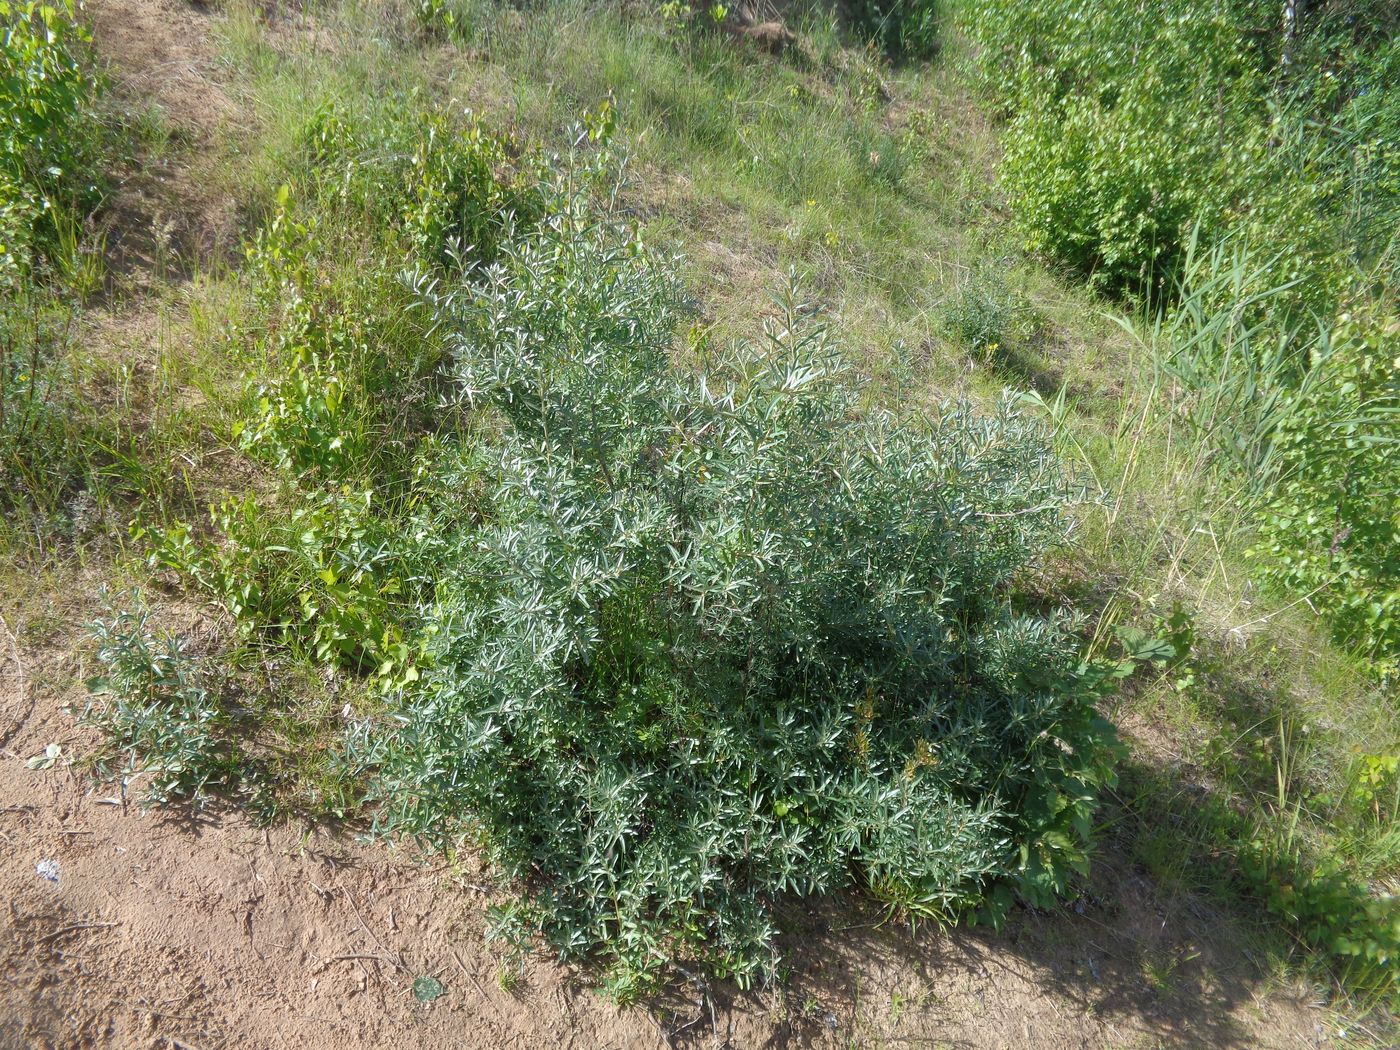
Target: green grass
[
  {"x": 875, "y": 183},
  {"x": 833, "y": 163}
]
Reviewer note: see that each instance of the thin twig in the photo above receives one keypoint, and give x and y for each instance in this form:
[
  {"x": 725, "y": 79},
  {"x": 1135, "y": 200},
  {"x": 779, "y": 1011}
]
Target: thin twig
[
  {"x": 76, "y": 926},
  {"x": 396, "y": 958},
  {"x": 475, "y": 983},
  {"x": 660, "y": 1030},
  {"x": 352, "y": 957},
  {"x": 170, "y": 1017}
]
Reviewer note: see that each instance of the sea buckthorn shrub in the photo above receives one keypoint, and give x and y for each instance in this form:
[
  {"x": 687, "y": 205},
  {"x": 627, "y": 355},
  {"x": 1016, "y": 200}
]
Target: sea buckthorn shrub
[{"x": 730, "y": 634}]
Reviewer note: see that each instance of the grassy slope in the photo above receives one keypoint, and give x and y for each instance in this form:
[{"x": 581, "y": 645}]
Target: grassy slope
[
  {"x": 876, "y": 185},
  {"x": 754, "y": 165}
]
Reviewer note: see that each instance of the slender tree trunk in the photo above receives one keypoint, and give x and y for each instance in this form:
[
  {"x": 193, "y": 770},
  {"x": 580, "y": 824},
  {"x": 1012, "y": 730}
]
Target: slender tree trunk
[{"x": 1292, "y": 17}]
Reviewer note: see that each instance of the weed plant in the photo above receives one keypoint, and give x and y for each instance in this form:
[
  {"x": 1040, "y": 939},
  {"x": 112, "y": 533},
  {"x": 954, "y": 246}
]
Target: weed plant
[
  {"x": 671, "y": 644},
  {"x": 51, "y": 147},
  {"x": 986, "y": 316},
  {"x": 161, "y": 721},
  {"x": 345, "y": 414}
]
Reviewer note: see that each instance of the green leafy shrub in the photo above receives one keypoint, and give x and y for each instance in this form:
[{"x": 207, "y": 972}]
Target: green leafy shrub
[
  {"x": 49, "y": 142},
  {"x": 325, "y": 578},
  {"x": 17, "y": 220},
  {"x": 315, "y": 566},
  {"x": 435, "y": 17},
  {"x": 345, "y": 418},
  {"x": 1152, "y": 153},
  {"x": 448, "y": 185},
  {"x": 1107, "y": 193},
  {"x": 458, "y": 21},
  {"x": 1332, "y": 530},
  {"x": 332, "y": 339},
  {"x": 50, "y": 149},
  {"x": 727, "y": 636},
  {"x": 1126, "y": 132}
]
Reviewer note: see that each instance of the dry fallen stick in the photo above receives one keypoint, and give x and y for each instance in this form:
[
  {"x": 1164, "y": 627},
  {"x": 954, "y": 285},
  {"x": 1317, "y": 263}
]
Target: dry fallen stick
[
  {"x": 353, "y": 957},
  {"x": 73, "y": 928},
  {"x": 475, "y": 983},
  {"x": 394, "y": 957}
]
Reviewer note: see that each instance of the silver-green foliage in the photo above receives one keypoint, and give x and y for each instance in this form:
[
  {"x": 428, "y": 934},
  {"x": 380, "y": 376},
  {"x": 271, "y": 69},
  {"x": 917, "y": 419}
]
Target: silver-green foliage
[
  {"x": 728, "y": 633},
  {"x": 161, "y": 722}
]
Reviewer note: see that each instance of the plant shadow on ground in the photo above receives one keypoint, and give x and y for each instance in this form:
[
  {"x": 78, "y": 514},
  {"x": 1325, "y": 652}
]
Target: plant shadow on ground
[
  {"x": 1039, "y": 367},
  {"x": 1136, "y": 960},
  {"x": 1143, "y": 953}
]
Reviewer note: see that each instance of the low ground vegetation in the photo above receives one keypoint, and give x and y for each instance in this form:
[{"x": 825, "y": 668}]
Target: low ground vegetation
[
  {"x": 677, "y": 601},
  {"x": 1261, "y": 280},
  {"x": 589, "y": 557},
  {"x": 1271, "y": 264}
]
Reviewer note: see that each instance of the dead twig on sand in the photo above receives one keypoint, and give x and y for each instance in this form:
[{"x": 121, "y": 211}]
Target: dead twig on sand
[
  {"x": 352, "y": 957},
  {"x": 73, "y": 929},
  {"x": 17, "y": 718},
  {"x": 475, "y": 983},
  {"x": 394, "y": 958}
]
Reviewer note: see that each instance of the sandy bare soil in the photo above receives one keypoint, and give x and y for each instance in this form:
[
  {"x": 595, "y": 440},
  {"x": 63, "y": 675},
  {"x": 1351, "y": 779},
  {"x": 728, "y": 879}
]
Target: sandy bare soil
[{"x": 123, "y": 928}]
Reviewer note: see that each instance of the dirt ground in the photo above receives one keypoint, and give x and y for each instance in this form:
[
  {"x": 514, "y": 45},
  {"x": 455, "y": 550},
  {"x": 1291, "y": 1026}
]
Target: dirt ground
[{"x": 123, "y": 928}]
